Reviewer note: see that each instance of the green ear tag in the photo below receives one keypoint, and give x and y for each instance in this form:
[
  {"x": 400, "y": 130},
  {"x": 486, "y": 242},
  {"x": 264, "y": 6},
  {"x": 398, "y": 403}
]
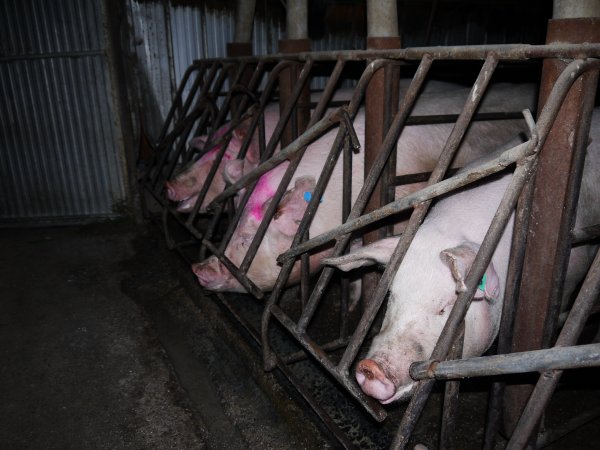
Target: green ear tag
[{"x": 481, "y": 286}]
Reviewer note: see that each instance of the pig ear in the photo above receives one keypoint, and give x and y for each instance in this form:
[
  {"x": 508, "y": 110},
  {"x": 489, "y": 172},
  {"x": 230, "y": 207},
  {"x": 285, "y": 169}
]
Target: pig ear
[
  {"x": 292, "y": 206},
  {"x": 240, "y": 132},
  {"x": 460, "y": 259},
  {"x": 376, "y": 253},
  {"x": 233, "y": 170},
  {"x": 199, "y": 142}
]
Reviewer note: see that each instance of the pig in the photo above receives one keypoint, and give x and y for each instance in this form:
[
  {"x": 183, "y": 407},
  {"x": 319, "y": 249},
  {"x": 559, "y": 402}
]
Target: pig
[
  {"x": 184, "y": 187},
  {"x": 418, "y": 149},
  {"x": 187, "y": 184},
  {"x": 433, "y": 271}
]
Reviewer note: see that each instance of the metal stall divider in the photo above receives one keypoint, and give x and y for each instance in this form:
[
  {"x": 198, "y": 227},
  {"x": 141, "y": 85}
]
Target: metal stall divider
[
  {"x": 340, "y": 372},
  {"x": 354, "y": 221}
]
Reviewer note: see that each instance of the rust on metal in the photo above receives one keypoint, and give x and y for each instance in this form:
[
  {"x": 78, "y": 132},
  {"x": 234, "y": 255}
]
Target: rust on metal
[{"x": 555, "y": 195}]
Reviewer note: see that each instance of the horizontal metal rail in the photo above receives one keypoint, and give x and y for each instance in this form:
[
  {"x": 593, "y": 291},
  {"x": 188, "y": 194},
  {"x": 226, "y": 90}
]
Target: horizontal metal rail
[
  {"x": 532, "y": 361},
  {"x": 508, "y": 52},
  {"x": 520, "y": 177},
  {"x": 465, "y": 178}
]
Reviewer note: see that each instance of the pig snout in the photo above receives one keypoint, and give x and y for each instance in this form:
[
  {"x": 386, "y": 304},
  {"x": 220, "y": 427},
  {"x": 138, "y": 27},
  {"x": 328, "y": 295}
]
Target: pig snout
[
  {"x": 373, "y": 381},
  {"x": 171, "y": 193},
  {"x": 213, "y": 275},
  {"x": 384, "y": 380},
  {"x": 209, "y": 273}
]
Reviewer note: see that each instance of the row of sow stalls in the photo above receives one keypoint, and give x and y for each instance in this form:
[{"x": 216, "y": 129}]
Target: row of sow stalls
[{"x": 311, "y": 331}]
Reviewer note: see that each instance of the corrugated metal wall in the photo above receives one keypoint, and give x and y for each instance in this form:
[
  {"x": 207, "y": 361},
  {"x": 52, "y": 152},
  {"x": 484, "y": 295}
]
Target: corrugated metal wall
[
  {"x": 60, "y": 158},
  {"x": 60, "y": 134}
]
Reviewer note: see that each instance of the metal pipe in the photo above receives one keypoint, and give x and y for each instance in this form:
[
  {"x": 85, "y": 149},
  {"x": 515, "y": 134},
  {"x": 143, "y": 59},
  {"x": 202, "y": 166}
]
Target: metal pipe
[
  {"x": 520, "y": 177},
  {"x": 571, "y": 9},
  {"x": 555, "y": 193},
  {"x": 297, "y": 19},
  {"x": 382, "y": 18},
  {"x": 532, "y": 361},
  {"x": 571, "y": 331},
  {"x": 244, "y": 20},
  {"x": 507, "y": 52},
  {"x": 495, "y": 165}
]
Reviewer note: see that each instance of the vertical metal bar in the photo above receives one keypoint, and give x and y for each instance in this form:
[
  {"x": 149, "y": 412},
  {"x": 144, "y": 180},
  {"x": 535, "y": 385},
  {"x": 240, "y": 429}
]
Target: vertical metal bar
[
  {"x": 554, "y": 203},
  {"x": 587, "y": 298},
  {"x": 484, "y": 256},
  {"x": 262, "y": 229},
  {"x": 451, "y": 390},
  {"x": 521, "y": 175},
  {"x": 381, "y": 103},
  {"x": 388, "y": 146},
  {"x": 452, "y": 144}
]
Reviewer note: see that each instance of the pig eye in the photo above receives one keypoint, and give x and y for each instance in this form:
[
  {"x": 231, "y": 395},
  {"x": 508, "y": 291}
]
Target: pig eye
[{"x": 442, "y": 311}]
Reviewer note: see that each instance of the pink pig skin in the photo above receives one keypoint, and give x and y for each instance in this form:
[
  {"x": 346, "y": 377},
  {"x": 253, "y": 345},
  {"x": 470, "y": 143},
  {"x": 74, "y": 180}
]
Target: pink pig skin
[
  {"x": 418, "y": 150},
  {"x": 424, "y": 288},
  {"x": 186, "y": 185}
]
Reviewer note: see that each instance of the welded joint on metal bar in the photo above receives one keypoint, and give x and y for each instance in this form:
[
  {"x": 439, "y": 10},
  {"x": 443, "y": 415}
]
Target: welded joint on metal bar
[{"x": 349, "y": 127}]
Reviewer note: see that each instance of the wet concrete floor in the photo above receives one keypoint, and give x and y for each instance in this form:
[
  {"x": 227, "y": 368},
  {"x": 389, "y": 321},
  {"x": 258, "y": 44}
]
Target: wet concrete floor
[{"x": 91, "y": 357}]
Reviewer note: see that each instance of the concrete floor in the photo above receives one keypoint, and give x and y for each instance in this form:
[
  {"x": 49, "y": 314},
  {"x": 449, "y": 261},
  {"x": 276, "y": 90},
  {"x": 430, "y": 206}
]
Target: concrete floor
[
  {"x": 92, "y": 357},
  {"x": 106, "y": 342}
]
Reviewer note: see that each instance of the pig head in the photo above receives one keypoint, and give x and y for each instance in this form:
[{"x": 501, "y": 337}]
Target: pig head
[
  {"x": 184, "y": 187},
  {"x": 426, "y": 286},
  {"x": 263, "y": 271}
]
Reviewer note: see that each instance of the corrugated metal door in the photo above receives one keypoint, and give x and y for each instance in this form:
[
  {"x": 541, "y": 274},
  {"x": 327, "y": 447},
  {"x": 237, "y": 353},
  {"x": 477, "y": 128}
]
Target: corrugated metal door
[{"x": 59, "y": 139}]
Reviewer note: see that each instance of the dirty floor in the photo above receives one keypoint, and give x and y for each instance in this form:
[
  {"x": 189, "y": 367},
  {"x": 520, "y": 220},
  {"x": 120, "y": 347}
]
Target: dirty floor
[
  {"x": 90, "y": 359},
  {"x": 106, "y": 342}
]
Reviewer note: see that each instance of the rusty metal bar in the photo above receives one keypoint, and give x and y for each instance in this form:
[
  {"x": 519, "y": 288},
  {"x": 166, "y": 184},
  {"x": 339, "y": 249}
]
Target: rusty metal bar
[
  {"x": 268, "y": 356},
  {"x": 569, "y": 334},
  {"x": 177, "y": 100},
  {"x": 208, "y": 82},
  {"x": 451, "y": 391},
  {"x": 262, "y": 229},
  {"x": 508, "y": 52},
  {"x": 556, "y": 358},
  {"x": 381, "y": 103},
  {"x": 484, "y": 256},
  {"x": 520, "y": 177},
  {"x": 281, "y": 365},
  {"x": 461, "y": 179},
  {"x": 265, "y": 154},
  {"x": 371, "y": 405},
  {"x": 420, "y": 211},
  {"x": 241, "y": 272},
  {"x": 388, "y": 146},
  {"x": 555, "y": 193}
]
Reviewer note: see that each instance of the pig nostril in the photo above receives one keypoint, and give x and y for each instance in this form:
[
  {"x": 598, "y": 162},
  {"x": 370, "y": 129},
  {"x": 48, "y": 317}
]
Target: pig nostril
[
  {"x": 368, "y": 374},
  {"x": 360, "y": 377}
]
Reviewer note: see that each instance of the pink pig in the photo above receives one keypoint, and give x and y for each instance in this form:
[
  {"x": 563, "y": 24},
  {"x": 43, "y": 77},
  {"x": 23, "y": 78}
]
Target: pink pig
[
  {"x": 184, "y": 187},
  {"x": 418, "y": 150},
  {"x": 425, "y": 286}
]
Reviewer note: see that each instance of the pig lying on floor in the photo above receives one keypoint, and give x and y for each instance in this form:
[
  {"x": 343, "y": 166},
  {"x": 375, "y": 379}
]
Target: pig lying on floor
[
  {"x": 419, "y": 147},
  {"x": 425, "y": 286}
]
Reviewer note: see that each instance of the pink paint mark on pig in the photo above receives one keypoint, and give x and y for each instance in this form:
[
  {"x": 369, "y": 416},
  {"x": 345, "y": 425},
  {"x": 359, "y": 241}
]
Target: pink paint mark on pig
[{"x": 260, "y": 195}]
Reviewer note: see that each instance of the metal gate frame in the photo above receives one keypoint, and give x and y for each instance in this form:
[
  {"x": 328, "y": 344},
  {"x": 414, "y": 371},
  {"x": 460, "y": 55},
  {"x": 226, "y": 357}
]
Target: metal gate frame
[{"x": 526, "y": 154}]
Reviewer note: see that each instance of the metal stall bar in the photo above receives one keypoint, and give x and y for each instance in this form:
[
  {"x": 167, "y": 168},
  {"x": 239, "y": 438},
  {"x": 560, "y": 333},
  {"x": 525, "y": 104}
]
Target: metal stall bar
[
  {"x": 557, "y": 358},
  {"x": 484, "y": 256},
  {"x": 569, "y": 334},
  {"x": 240, "y": 272},
  {"x": 341, "y": 371},
  {"x": 209, "y": 78},
  {"x": 509, "y": 310},
  {"x": 521, "y": 175},
  {"x": 177, "y": 106}
]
